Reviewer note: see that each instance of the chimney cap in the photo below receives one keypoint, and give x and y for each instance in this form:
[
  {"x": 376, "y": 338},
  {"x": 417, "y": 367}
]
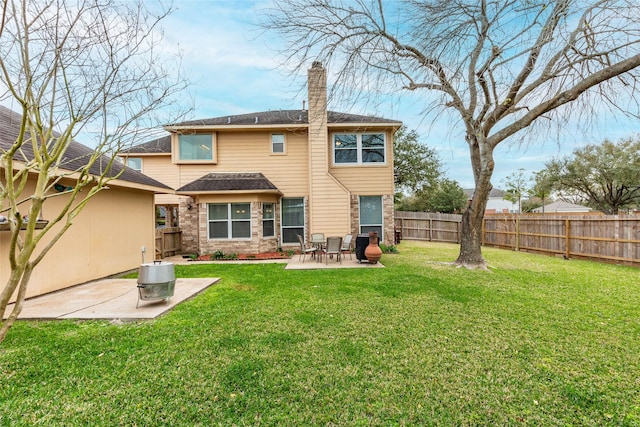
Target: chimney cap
[{"x": 316, "y": 64}]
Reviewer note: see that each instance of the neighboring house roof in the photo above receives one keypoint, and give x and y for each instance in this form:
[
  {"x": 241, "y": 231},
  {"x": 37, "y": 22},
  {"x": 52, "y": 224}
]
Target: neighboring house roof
[
  {"x": 74, "y": 158},
  {"x": 495, "y": 193},
  {"x": 561, "y": 206},
  {"x": 225, "y": 182},
  {"x": 282, "y": 117}
]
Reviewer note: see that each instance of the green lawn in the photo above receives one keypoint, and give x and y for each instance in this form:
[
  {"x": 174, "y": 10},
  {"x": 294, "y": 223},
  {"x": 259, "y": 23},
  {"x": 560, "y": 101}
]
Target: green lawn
[{"x": 534, "y": 341}]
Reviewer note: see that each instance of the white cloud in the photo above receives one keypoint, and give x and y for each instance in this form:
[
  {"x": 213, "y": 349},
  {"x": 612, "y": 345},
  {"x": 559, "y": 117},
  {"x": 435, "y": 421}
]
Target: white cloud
[{"x": 234, "y": 72}]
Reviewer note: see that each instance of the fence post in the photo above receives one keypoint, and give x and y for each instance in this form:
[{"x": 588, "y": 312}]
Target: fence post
[
  {"x": 567, "y": 238},
  {"x": 483, "y": 231},
  {"x": 517, "y": 248}
]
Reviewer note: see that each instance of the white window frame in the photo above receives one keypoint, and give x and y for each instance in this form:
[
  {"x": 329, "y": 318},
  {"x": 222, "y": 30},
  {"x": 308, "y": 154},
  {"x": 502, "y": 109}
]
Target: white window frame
[
  {"x": 230, "y": 221},
  {"x": 359, "y": 149},
  {"x": 274, "y": 143},
  {"x": 266, "y": 218},
  {"x": 282, "y": 222},
  {"x": 381, "y": 224},
  {"x": 206, "y": 145},
  {"x": 135, "y": 163}
]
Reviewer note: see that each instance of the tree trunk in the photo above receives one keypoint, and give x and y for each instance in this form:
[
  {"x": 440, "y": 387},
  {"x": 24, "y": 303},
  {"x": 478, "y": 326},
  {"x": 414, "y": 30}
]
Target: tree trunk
[
  {"x": 471, "y": 234},
  {"x": 24, "y": 276},
  {"x": 471, "y": 228}
]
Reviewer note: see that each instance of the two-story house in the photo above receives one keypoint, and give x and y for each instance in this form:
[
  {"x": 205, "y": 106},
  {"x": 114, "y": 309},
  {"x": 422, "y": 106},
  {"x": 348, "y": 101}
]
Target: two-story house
[{"x": 251, "y": 183}]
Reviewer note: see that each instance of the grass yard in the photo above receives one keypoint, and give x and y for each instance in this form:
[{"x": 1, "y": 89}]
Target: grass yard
[{"x": 534, "y": 341}]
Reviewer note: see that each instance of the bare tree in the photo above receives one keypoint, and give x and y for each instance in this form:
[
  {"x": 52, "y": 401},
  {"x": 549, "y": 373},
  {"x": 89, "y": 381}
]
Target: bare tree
[
  {"x": 517, "y": 185},
  {"x": 498, "y": 65},
  {"x": 91, "y": 66}
]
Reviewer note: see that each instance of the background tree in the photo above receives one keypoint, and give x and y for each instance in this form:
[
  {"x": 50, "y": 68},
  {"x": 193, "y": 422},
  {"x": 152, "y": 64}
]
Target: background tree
[
  {"x": 415, "y": 164},
  {"x": 516, "y": 186},
  {"x": 448, "y": 198},
  {"x": 542, "y": 188},
  {"x": 445, "y": 197},
  {"x": 66, "y": 67},
  {"x": 605, "y": 175},
  {"x": 497, "y": 65}
]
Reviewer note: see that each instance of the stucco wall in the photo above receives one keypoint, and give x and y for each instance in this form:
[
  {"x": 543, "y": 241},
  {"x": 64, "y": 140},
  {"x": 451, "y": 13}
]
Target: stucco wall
[{"x": 105, "y": 239}]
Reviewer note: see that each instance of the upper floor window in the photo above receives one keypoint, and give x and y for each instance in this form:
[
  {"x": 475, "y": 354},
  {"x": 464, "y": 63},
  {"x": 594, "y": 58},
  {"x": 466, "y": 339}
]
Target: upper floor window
[
  {"x": 134, "y": 163},
  {"x": 196, "y": 147},
  {"x": 277, "y": 143},
  {"x": 359, "y": 148}
]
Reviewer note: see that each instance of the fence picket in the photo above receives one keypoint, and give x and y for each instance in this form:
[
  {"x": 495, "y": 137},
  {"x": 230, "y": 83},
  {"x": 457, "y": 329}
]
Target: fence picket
[{"x": 613, "y": 238}]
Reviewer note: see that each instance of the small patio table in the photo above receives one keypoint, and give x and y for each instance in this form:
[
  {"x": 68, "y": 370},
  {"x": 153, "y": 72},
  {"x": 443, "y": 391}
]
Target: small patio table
[{"x": 320, "y": 244}]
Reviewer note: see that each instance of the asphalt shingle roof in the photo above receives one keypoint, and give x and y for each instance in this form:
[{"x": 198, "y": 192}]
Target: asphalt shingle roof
[
  {"x": 282, "y": 117},
  {"x": 74, "y": 158},
  {"x": 214, "y": 182},
  {"x": 157, "y": 146},
  {"x": 276, "y": 117}
]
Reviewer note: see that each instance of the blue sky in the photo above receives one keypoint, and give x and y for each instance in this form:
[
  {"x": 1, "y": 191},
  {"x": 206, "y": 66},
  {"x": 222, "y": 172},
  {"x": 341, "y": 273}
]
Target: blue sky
[{"x": 233, "y": 71}]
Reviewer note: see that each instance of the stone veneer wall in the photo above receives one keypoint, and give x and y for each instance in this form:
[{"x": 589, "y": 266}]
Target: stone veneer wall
[
  {"x": 188, "y": 217},
  {"x": 388, "y": 212},
  {"x": 257, "y": 244}
]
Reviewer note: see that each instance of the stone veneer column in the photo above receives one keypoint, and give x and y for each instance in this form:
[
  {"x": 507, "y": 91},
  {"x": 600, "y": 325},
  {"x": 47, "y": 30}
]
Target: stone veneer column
[
  {"x": 188, "y": 212},
  {"x": 388, "y": 219}
]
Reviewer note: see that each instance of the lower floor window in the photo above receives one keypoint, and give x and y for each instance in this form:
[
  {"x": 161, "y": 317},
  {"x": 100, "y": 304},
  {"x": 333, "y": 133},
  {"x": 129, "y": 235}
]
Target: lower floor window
[
  {"x": 371, "y": 214},
  {"x": 229, "y": 220},
  {"x": 268, "y": 220},
  {"x": 292, "y": 219}
]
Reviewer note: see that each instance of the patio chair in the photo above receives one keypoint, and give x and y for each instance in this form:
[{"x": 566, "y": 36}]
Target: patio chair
[
  {"x": 333, "y": 248},
  {"x": 304, "y": 250},
  {"x": 346, "y": 245}
]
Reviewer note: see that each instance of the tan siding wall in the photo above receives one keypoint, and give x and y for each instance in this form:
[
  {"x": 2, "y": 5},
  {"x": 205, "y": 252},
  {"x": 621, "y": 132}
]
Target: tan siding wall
[
  {"x": 161, "y": 169},
  {"x": 328, "y": 198},
  {"x": 366, "y": 180},
  {"x": 245, "y": 152},
  {"x": 105, "y": 239}
]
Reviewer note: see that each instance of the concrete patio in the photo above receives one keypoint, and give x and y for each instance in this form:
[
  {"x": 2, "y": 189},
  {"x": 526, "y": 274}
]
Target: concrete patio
[
  {"x": 116, "y": 298},
  {"x": 107, "y": 299},
  {"x": 295, "y": 263}
]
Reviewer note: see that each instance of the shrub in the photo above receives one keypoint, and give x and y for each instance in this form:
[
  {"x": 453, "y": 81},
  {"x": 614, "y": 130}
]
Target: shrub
[{"x": 389, "y": 249}]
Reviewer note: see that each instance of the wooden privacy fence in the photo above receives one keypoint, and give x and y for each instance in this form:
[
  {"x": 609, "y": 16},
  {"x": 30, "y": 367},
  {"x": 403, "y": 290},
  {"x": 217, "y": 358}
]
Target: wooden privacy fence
[
  {"x": 614, "y": 239},
  {"x": 433, "y": 227},
  {"x": 168, "y": 242}
]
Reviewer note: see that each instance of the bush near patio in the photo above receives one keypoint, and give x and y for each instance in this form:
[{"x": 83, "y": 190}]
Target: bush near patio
[{"x": 533, "y": 341}]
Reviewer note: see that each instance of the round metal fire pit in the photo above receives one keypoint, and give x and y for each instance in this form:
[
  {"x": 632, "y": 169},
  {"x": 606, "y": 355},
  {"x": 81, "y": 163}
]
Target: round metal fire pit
[{"x": 156, "y": 281}]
